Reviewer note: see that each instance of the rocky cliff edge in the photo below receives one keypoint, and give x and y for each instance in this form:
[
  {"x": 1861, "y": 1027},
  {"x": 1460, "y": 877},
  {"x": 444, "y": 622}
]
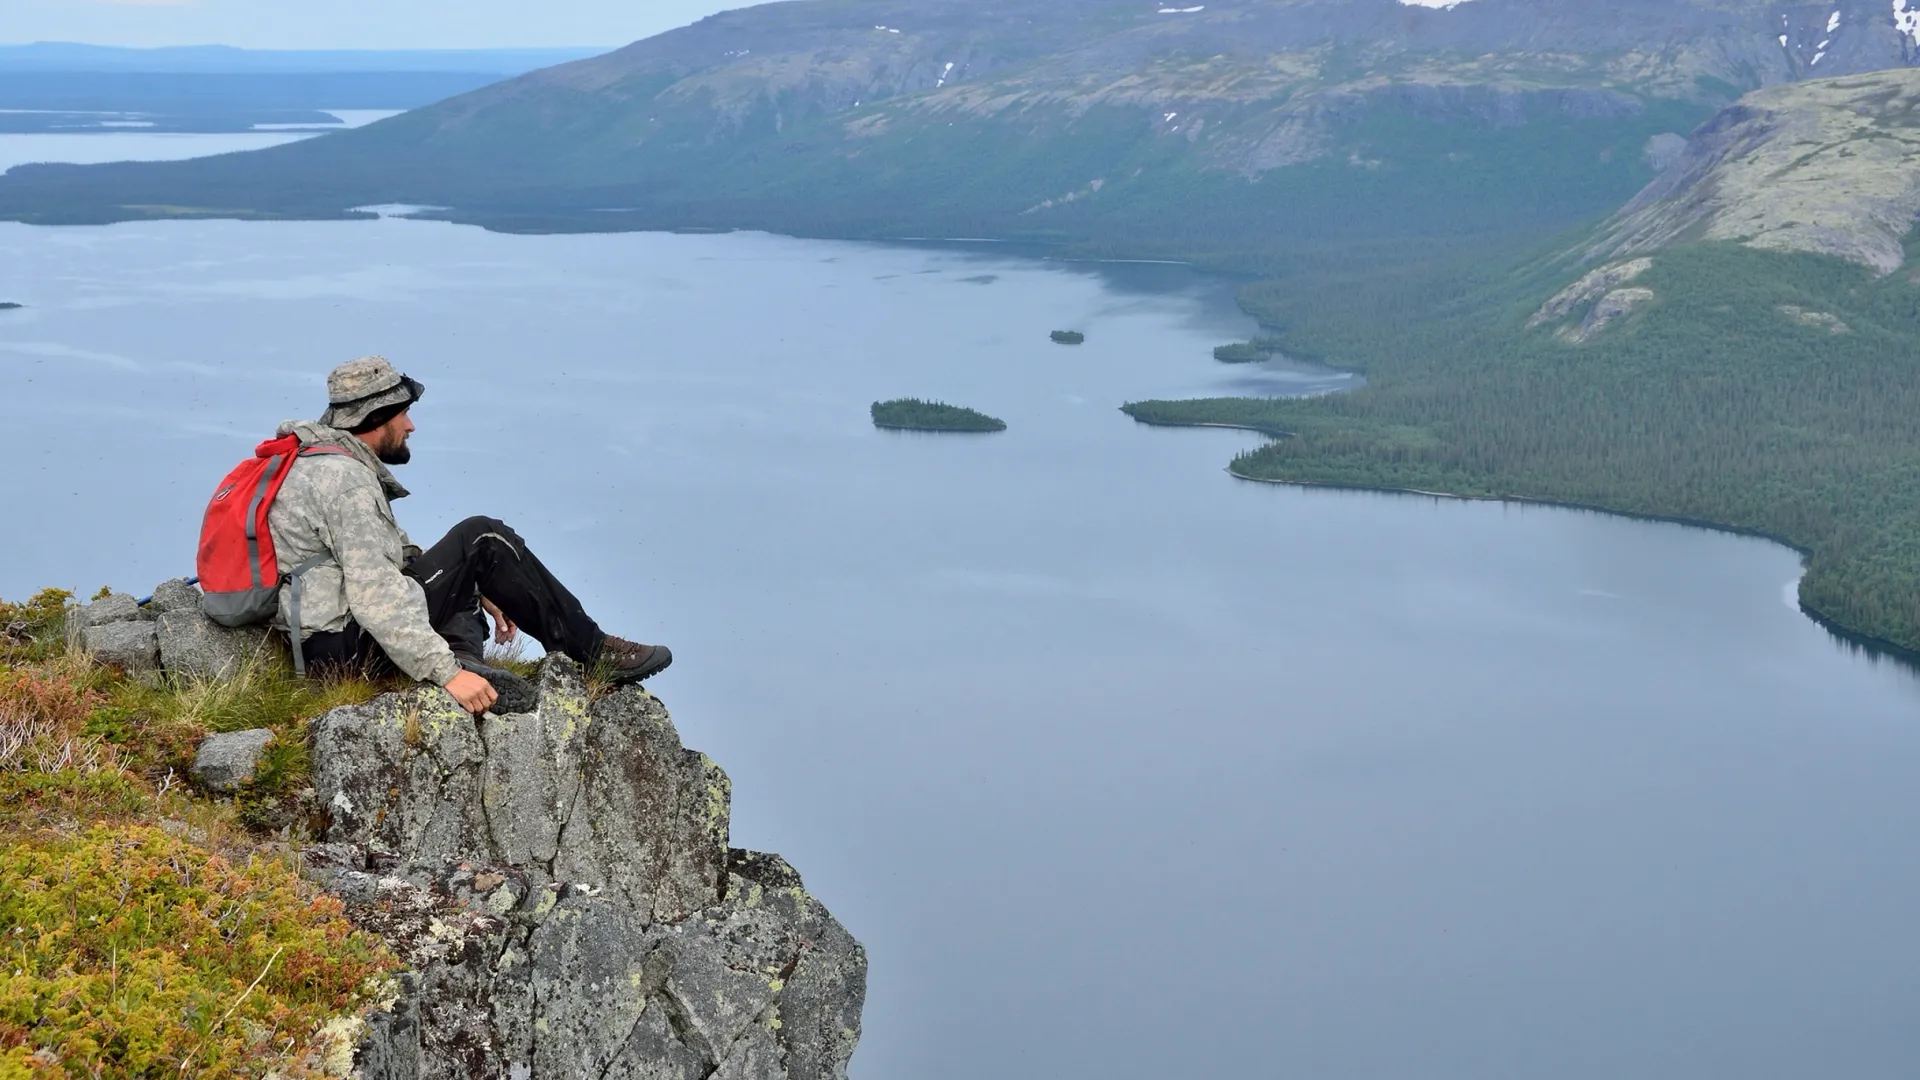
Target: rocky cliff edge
[{"x": 561, "y": 884}]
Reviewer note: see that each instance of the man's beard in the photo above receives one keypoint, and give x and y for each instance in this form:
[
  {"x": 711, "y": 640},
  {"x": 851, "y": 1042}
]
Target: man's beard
[{"x": 396, "y": 455}]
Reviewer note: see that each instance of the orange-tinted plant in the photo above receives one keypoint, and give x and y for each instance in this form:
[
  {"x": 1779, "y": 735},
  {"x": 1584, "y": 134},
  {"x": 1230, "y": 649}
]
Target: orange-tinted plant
[{"x": 43, "y": 719}]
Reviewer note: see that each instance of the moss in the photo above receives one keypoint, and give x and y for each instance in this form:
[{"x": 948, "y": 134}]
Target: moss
[{"x": 145, "y": 945}]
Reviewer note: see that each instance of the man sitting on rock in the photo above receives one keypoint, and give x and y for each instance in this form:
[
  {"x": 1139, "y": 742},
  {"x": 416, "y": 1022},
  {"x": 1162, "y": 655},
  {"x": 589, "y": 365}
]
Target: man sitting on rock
[{"x": 375, "y": 601}]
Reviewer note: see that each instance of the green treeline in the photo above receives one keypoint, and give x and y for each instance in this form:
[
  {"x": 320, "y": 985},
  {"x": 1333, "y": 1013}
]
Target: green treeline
[
  {"x": 1714, "y": 404},
  {"x": 912, "y": 414}
]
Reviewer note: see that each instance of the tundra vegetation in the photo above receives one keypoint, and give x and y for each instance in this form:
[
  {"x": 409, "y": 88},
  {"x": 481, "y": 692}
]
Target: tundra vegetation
[
  {"x": 145, "y": 931},
  {"x": 912, "y": 414}
]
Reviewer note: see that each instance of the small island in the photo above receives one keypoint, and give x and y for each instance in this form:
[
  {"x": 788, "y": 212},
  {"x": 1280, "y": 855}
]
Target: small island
[
  {"x": 7, "y": 305},
  {"x": 1257, "y": 351},
  {"x": 1068, "y": 337},
  {"x": 912, "y": 414}
]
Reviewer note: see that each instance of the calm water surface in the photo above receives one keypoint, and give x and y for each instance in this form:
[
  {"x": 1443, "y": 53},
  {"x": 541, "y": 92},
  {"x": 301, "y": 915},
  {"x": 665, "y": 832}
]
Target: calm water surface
[
  {"x": 1121, "y": 768},
  {"x": 96, "y": 147}
]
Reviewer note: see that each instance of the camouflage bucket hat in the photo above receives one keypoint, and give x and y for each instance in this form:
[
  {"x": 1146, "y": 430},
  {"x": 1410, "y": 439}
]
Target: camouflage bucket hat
[{"x": 357, "y": 388}]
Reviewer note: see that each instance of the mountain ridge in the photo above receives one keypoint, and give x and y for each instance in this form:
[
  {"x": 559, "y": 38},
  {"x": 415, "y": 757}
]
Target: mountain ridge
[{"x": 1069, "y": 121}]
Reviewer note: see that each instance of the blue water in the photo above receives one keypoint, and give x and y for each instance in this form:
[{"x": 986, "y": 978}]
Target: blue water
[{"x": 1120, "y": 767}]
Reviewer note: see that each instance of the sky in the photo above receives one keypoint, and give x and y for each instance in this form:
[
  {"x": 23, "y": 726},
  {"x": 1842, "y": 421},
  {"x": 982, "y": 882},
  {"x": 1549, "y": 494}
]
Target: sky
[
  {"x": 360, "y": 24},
  {"x": 348, "y": 24}
]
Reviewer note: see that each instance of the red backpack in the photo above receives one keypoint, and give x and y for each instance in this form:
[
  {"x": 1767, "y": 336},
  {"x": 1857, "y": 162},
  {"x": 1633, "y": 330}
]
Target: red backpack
[{"x": 239, "y": 577}]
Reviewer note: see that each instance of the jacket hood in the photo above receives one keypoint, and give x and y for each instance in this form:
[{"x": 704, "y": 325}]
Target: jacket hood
[{"x": 314, "y": 433}]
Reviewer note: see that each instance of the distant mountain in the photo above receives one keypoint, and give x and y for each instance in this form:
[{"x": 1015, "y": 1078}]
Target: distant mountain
[
  {"x": 1229, "y": 131},
  {"x": 225, "y": 59},
  {"x": 47, "y": 86}
]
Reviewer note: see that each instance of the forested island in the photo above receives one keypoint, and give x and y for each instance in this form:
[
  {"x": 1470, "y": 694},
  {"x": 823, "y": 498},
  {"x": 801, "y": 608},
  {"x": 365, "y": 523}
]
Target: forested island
[
  {"x": 1257, "y": 351},
  {"x": 1068, "y": 337},
  {"x": 912, "y": 414},
  {"x": 8, "y": 306}
]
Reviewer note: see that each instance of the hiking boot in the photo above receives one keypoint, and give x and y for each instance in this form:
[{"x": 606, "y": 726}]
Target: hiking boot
[
  {"x": 517, "y": 695},
  {"x": 630, "y": 662}
]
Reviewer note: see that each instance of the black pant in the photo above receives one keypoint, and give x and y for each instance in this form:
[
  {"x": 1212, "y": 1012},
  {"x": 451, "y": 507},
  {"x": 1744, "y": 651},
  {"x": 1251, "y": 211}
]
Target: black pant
[{"x": 481, "y": 556}]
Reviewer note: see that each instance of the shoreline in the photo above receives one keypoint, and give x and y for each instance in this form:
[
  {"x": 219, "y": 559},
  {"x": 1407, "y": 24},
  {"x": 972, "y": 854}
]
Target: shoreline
[
  {"x": 938, "y": 431},
  {"x": 1878, "y": 647}
]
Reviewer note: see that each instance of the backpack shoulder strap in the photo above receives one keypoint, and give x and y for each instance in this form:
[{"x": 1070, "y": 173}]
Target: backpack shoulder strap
[
  {"x": 293, "y": 581},
  {"x": 310, "y": 451}
]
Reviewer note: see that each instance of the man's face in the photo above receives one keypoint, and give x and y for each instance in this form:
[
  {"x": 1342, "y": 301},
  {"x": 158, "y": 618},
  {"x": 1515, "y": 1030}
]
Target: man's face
[{"x": 389, "y": 441}]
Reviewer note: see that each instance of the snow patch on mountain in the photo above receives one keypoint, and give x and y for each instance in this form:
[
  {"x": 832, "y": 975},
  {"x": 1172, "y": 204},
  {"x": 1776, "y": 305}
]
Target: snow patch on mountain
[{"x": 1907, "y": 18}]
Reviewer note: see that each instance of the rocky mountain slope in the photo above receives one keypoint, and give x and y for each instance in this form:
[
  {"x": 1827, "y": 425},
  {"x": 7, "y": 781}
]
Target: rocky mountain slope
[
  {"x": 1258, "y": 82},
  {"x": 1212, "y": 130},
  {"x": 1830, "y": 167}
]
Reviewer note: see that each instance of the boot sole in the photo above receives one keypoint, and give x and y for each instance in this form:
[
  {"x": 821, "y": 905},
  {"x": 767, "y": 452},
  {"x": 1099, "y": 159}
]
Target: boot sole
[{"x": 517, "y": 695}]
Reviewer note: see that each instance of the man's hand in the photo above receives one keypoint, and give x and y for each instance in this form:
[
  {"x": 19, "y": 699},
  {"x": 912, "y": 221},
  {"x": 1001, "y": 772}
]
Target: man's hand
[
  {"x": 475, "y": 694},
  {"x": 503, "y": 629}
]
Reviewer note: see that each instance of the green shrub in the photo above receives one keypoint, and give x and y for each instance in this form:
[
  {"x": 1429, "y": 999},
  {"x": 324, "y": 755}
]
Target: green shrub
[
  {"x": 129, "y": 950},
  {"x": 32, "y": 629}
]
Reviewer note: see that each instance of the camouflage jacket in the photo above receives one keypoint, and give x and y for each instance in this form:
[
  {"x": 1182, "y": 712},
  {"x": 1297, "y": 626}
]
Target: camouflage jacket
[{"x": 340, "y": 506}]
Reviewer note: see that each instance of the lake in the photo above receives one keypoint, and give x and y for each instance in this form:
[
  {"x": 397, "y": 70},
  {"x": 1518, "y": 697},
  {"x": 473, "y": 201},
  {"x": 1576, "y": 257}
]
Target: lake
[
  {"x": 93, "y": 146},
  {"x": 1120, "y": 767}
]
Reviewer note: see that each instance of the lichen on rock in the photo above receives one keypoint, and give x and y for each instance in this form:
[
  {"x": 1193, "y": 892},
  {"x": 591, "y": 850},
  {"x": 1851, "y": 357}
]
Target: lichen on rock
[{"x": 562, "y": 884}]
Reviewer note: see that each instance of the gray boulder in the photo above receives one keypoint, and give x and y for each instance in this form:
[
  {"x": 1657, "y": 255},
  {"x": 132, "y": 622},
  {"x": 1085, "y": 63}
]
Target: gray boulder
[
  {"x": 134, "y": 647},
  {"x": 229, "y": 761},
  {"x": 560, "y": 883},
  {"x": 195, "y": 646},
  {"x": 114, "y": 608},
  {"x": 174, "y": 595},
  {"x": 187, "y": 642},
  {"x": 106, "y": 611}
]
